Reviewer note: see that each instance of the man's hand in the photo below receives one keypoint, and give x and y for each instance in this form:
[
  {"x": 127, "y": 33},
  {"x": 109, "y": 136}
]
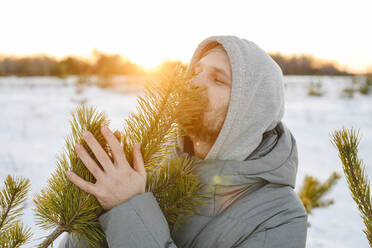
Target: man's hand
[{"x": 118, "y": 181}]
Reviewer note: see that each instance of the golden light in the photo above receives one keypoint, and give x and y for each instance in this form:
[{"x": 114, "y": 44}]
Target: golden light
[
  {"x": 149, "y": 62},
  {"x": 149, "y": 32}
]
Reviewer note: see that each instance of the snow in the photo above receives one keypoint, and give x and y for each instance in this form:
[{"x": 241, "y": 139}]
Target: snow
[{"x": 34, "y": 121}]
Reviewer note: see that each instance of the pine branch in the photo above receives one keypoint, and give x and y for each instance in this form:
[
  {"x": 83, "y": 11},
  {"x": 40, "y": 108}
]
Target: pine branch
[
  {"x": 15, "y": 236},
  {"x": 167, "y": 107},
  {"x": 312, "y": 192},
  {"x": 167, "y": 110},
  {"x": 347, "y": 141},
  {"x": 12, "y": 231},
  {"x": 177, "y": 189},
  {"x": 62, "y": 206}
]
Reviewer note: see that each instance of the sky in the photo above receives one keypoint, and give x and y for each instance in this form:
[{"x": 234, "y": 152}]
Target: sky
[{"x": 148, "y": 32}]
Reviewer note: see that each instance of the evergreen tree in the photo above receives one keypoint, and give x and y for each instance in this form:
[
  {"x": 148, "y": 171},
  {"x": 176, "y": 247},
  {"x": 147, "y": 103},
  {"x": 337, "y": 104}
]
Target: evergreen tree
[{"x": 347, "y": 141}]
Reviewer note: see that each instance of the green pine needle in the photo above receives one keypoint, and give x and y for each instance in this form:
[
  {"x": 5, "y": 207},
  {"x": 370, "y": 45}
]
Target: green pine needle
[
  {"x": 15, "y": 236},
  {"x": 347, "y": 141},
  {"x": 12, "y": 198},
  {"x": 177, "y": 190}
]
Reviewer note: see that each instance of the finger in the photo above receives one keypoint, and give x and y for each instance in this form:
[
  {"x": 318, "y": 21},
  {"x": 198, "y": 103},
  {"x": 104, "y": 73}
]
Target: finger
[
  {"x": 81, "y": 183},
  {"x": 117, "y": 135},
  {"x": 98, "y": 151},
  {"x": 116, "y": 149},
  {"x": 138, "y": 163},
  {"x": 88, "y": 161}
]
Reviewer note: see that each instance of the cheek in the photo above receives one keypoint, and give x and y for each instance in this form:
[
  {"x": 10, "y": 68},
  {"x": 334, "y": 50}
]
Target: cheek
[{"x": 219, "y": 98}]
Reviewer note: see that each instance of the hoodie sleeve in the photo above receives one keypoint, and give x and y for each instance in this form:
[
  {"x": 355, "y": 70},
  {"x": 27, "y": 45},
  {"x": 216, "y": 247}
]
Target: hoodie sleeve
[{"x": 138, "y": 222}]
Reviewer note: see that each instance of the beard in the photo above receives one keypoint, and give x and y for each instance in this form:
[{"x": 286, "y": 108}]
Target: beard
[{"x": 207, "y": 127}]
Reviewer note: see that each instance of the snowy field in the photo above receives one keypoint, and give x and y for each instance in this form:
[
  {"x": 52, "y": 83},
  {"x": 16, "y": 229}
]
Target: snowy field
[{"x": 34, "y": 121}]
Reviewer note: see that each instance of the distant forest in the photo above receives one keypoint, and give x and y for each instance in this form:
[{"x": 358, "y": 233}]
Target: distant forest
[{"x": 105, "y": 64}]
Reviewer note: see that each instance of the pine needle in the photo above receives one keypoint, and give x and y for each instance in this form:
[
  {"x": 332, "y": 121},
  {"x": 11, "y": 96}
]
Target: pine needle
[
  {"x": 177, "y": 190},
  {"x": 12, "y": 232},
  {"x": 347, "y": 141}
]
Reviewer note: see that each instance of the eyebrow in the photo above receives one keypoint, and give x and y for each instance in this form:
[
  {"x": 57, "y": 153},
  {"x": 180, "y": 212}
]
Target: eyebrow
[{"x": 223, "y": 72}]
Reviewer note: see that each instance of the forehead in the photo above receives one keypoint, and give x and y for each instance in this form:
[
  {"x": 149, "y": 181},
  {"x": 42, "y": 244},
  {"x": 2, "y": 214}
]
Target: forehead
[{"x": 217, "y": 59}]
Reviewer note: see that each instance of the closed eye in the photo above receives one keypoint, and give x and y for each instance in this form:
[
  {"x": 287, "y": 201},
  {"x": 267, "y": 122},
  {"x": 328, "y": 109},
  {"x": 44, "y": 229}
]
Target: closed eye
[{"x": 216, "y": 79}]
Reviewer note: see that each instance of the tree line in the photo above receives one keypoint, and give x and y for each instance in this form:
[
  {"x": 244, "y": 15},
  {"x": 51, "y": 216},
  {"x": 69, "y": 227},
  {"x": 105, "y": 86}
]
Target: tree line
[{"x": 105, "y": 64}]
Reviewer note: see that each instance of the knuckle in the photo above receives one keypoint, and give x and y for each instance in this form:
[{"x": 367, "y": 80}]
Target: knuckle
[
  {"x": 88, "y": 136},
  {"x": 102, "y": 157},
  {"x": 95, "y": 170},
  {"x": 127, "y": 172},
  {"x": 99, "y": 194},
  {"x": 89, "y": 187},
  {"x": 117, "y": 150}
]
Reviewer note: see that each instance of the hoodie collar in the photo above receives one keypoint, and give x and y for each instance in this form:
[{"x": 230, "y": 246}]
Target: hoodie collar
[{"x": 275, "y": 161}]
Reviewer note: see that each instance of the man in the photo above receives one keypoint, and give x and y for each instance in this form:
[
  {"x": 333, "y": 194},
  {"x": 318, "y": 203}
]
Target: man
[{"x": 244, "y": 151}]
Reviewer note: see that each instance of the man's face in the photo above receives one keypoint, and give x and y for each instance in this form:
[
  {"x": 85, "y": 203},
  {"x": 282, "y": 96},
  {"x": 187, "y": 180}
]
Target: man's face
[{"x": 214, "y": 72}]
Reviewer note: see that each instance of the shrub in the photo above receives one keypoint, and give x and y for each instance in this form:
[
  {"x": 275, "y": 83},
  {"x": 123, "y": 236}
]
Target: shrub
[
  {"x": 349, "y": 92},
  {"x": 365, "y": 88},
  {"x": 315, "y": 89}
]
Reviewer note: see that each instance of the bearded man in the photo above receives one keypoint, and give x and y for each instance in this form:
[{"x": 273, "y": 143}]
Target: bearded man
[{"x": 243, "y": 150}]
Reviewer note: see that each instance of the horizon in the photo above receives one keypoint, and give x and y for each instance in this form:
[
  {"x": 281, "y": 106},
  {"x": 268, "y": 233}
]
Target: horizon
[
  {"x": 156, "y": 33},
  {"x": 90, "y": 59}
]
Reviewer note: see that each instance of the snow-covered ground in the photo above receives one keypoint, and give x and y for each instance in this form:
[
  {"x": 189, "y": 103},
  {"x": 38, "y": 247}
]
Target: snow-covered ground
[{"x": 34, "y": 122}]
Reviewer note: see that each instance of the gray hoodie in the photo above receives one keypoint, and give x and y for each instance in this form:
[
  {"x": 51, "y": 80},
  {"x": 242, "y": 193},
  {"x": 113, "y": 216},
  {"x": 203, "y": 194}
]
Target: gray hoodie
[{"x": 251, "y": 170}]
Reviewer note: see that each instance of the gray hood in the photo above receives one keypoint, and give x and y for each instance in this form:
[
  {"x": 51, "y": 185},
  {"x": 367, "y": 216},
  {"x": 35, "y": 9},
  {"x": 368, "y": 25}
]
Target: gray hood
[
  {"x": 254, "y": 147},
  {"x": 257, "y": 97}
]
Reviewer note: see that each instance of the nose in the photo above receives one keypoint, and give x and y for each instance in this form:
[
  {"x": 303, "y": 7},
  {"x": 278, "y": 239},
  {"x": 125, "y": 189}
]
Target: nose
[
  {"x": 196, "y": 82},
  {"x": 200, "y": 79}
]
